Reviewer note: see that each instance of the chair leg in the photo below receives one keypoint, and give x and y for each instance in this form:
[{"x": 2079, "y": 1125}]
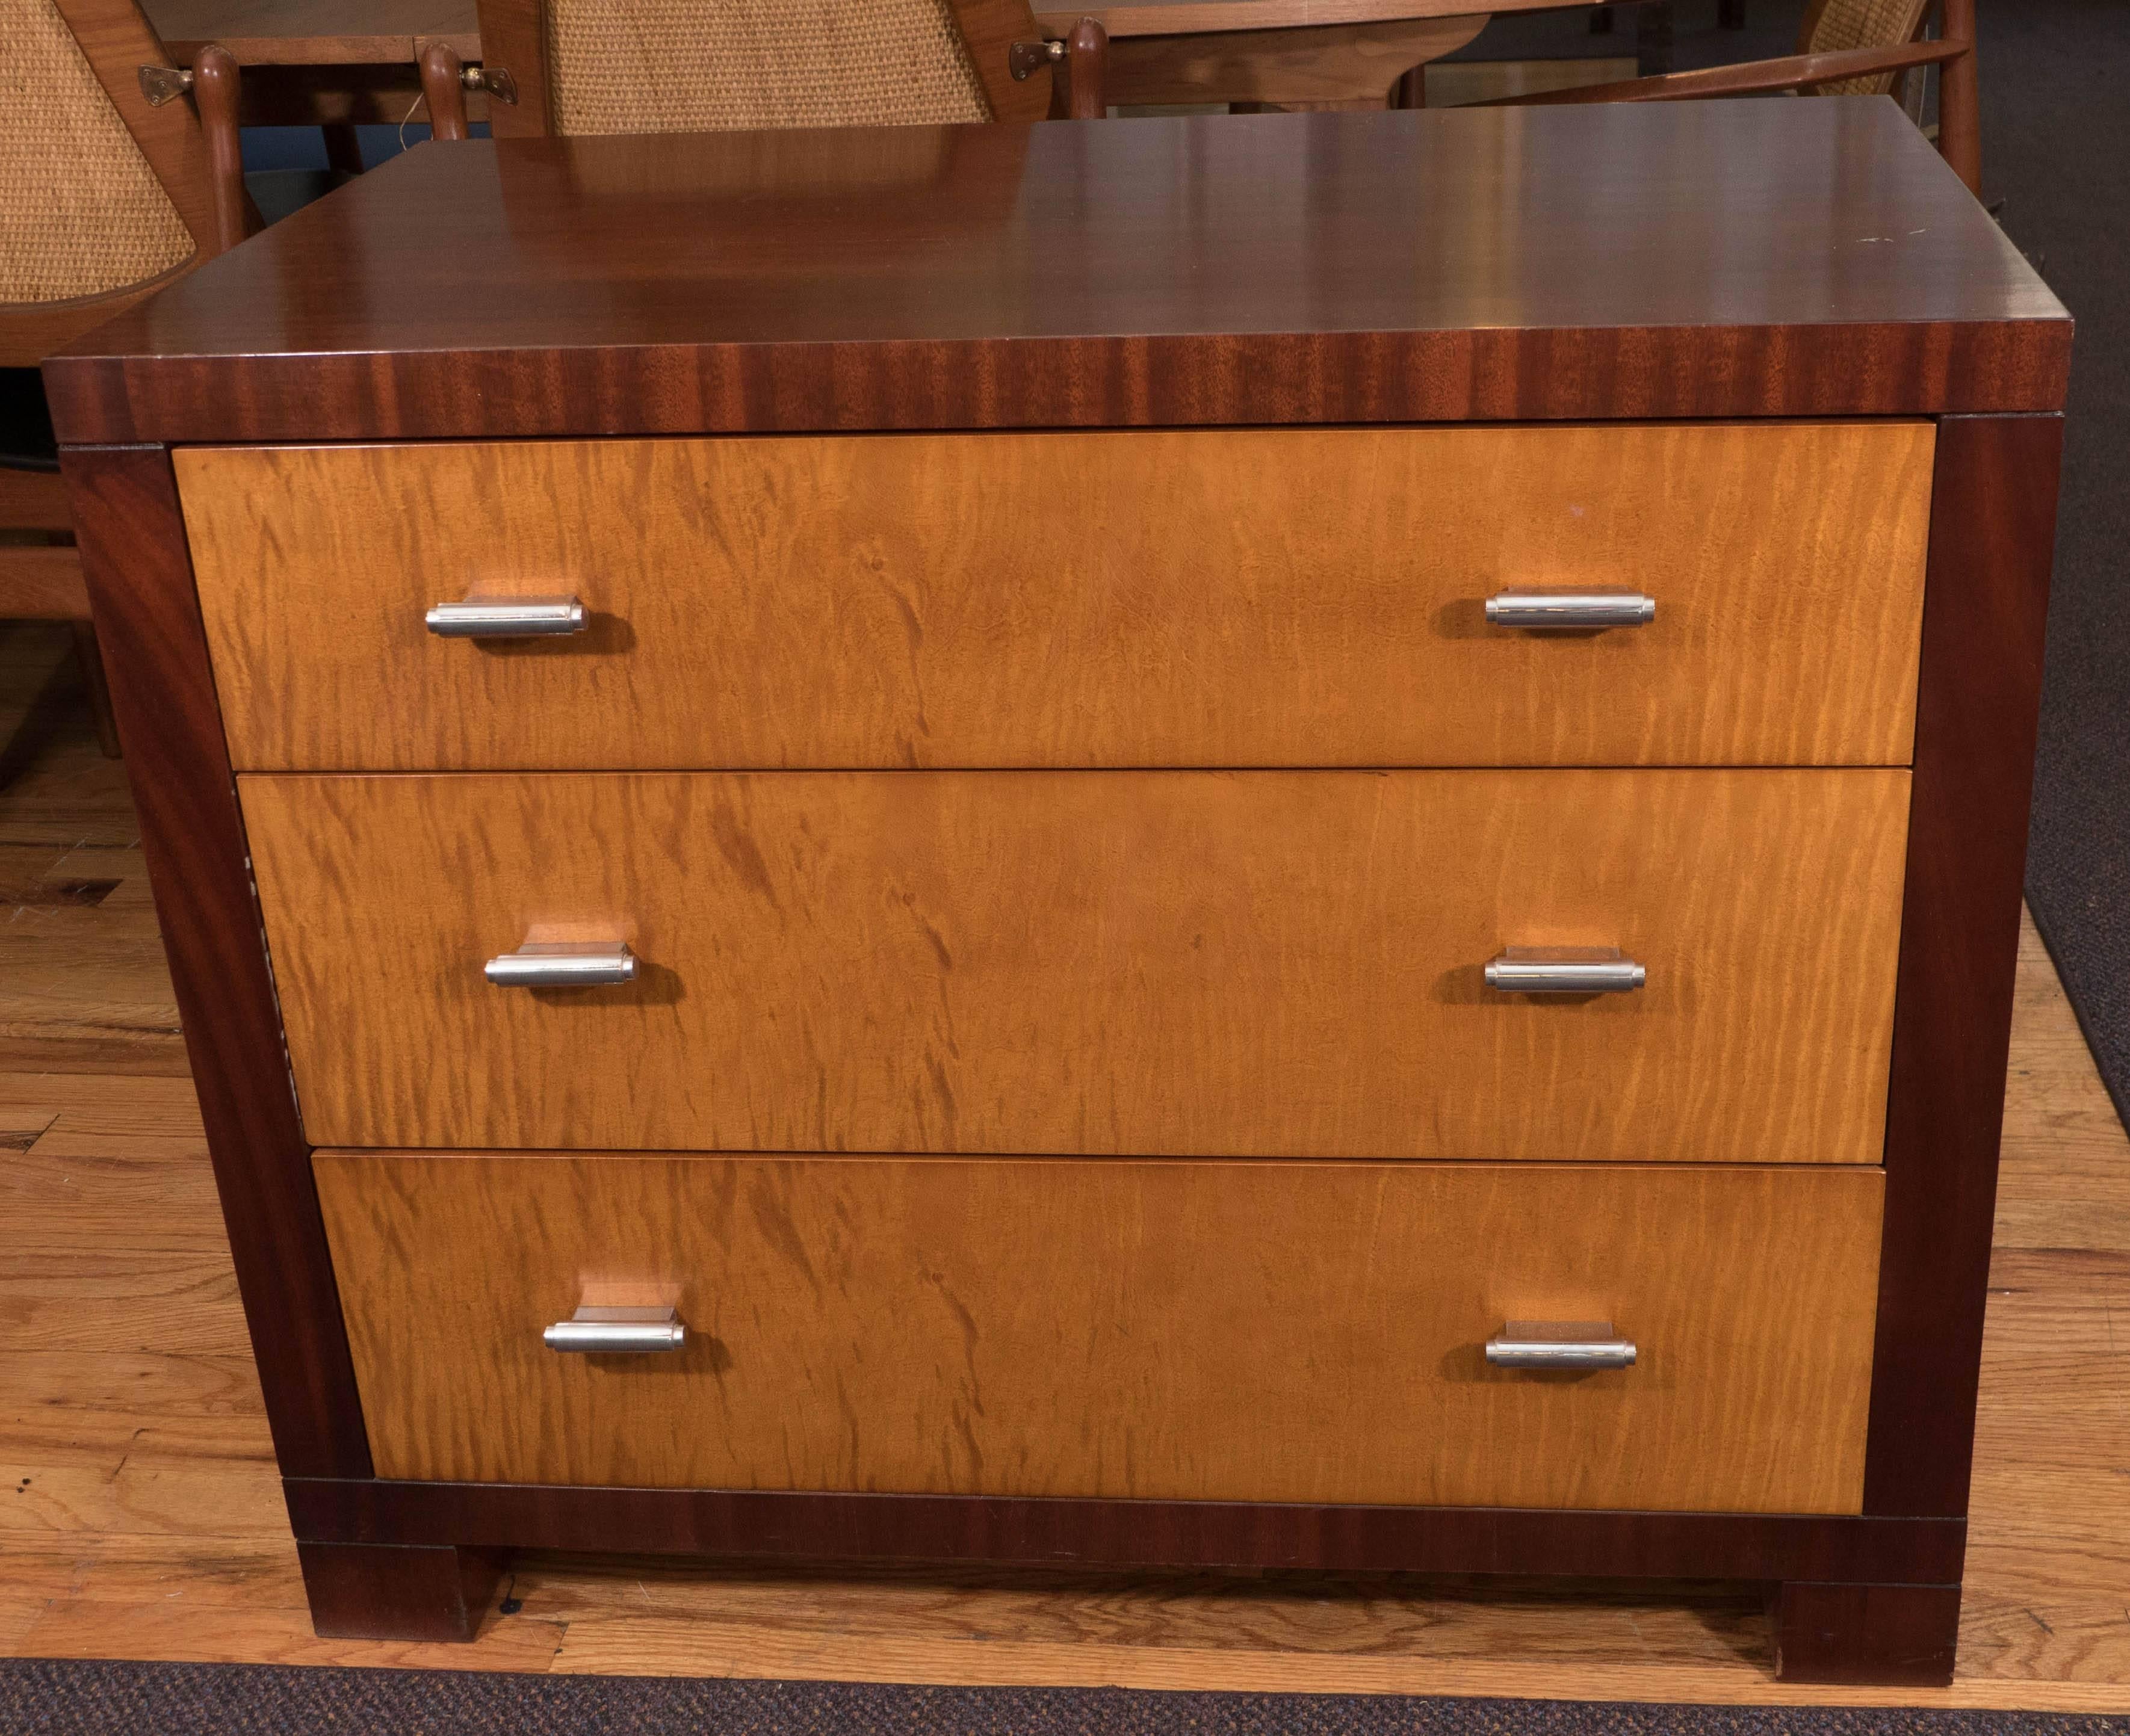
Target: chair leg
[
  {"x": 1960, "y": 99},
  {"x": 91, "y": 658},
  {"x": 1652, "y": 39}
]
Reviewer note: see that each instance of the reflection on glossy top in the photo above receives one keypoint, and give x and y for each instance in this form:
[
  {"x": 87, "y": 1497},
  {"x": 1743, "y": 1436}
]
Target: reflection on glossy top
[{"x": 1748, "y": 214}]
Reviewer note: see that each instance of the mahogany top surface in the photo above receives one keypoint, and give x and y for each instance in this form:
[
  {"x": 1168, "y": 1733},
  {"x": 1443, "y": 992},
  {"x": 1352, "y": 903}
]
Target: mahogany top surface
[{"x": 1812, "y": 257}]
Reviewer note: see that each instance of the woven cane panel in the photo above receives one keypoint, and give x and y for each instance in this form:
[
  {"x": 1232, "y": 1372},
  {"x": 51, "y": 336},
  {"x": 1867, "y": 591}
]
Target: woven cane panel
[
  {"x": 81, "y": 212},
  {"x": 699, "y": 66},
  {"x": 1864, "y": 24}
]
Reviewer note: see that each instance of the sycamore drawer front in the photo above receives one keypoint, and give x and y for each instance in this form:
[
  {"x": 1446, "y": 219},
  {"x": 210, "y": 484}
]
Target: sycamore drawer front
[
  {"x": 1276, "y": 1331},
  {"x": 1215, "y": 597},
  {"x": 1266, "y": 963}
]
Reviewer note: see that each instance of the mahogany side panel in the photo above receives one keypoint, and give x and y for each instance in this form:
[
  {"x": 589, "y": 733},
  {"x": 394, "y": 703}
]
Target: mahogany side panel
[
  {"x": 1126, "y": 1534},
  {"x": 139, "y": 571},
  {"x": 1985, "y": 604}
]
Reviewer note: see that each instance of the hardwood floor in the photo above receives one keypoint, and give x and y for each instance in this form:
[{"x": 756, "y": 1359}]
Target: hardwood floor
[{"x": 140, "y": 1514}]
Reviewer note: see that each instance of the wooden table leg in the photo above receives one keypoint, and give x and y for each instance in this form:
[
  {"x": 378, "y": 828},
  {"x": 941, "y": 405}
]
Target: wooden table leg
[
  {"x": 343, "y": 148},
  {"x": 1652, "y": 38}
]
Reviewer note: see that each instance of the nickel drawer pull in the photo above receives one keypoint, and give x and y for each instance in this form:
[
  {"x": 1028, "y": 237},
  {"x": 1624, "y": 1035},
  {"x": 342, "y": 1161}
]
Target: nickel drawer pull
[
  {"x": 1571, "y": 1345},
  {"x": 1574, "y": 970},
  {"x": 618, "y": 1332},
  {"x": 506, "y": 618},
  {"x": 1563, "y": 611},
  {"x": 572, "y": 965}
]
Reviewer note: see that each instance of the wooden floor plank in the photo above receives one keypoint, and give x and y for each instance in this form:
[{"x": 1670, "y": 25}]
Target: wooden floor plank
[{"x": 151, "y": 1524}]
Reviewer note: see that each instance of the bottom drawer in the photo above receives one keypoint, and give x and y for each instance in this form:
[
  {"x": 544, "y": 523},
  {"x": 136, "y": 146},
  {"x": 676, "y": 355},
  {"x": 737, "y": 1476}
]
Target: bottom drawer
[{"x": 1270, "y": 1331}]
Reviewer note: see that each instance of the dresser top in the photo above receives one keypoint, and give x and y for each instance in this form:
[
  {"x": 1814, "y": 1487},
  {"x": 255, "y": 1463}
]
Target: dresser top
[{"x": 1744, "y": 257}]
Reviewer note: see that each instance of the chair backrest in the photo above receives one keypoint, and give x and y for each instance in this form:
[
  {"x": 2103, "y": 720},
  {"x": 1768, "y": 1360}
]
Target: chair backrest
[
  {"x": 1833, "y": 25},
  {"x": 102, "y": 196},
  {"x": 608, "y": 66}
]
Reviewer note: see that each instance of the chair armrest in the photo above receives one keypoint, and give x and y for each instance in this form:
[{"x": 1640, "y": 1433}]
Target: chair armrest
[
  {"x": 443, "y": 90},
  {"x": 1750, "y": 77},
  {"x": 1079, "y": 78},
  {"x": 216, "y": 94}
]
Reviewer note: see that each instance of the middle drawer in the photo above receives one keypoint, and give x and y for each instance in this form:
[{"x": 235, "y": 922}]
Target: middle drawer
[{"x": 1158, "y": 963}]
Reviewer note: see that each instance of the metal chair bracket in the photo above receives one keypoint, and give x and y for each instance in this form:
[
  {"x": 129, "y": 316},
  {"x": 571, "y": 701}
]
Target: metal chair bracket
[
  {"x": 1025, "y": 60},
  {"x": 158, "y": 85},
  {"x": 495, "y": 80}
]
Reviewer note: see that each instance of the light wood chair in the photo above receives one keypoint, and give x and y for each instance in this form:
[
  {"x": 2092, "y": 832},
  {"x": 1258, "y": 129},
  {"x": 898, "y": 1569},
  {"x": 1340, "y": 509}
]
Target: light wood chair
[
  {"x": 105, "y": 197},
  {"x": 1844, "y": 47},
  {"x": 564, "y": 67}
]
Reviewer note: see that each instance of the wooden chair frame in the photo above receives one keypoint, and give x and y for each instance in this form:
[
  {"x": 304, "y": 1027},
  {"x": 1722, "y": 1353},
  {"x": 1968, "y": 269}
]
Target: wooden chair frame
[
  {"x": 1960, "y": 131},
  {"x": 195, "y": 151},
  {"x": 1011, "y": 59}
]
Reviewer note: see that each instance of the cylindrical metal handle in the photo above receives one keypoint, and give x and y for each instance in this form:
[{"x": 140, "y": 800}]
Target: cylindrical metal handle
[
  {"x": 506, "y": 618},
  {"x": 1586, "y": 610},
  {"x": 1569, "y": 1345},
  {"x": 1523, "y": 971},
  {"x": 618, "y": 1332},
  {"x": 575, "y": 964}
]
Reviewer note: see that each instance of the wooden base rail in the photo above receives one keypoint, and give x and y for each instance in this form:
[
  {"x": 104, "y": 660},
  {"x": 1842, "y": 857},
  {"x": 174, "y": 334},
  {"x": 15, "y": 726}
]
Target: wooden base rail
[{"x": 1113, "y": 1534}]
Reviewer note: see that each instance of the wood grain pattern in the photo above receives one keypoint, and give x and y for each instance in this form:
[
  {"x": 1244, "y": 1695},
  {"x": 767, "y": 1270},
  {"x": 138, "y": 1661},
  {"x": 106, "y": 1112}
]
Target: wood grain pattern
[
  {"x": 299, "y": 32},
  {"x": 989, "y": 29},
  {"x": 33, "y": 500},
  {"x": 894, "y": 1325},
  {"x": 1993, "y": 541},
  {"x": 1694, "y": 260},
  {"x": 1889, "y": 1635},
  {"x": 1325, "y": 63},
  {"x": 1269, "y": 597},
  {"x": 140, "y": 578},
  {"x": 514, "y": 36},
  {"x": 1160, "y": 964},
  {"x": 42, "y": 582},
  {"x": 397, "y": 1592}
]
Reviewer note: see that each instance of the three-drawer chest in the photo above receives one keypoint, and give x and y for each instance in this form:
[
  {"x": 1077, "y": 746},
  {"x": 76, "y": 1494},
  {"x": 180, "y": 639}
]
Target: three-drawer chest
[{"x": 1239, "y": 842}]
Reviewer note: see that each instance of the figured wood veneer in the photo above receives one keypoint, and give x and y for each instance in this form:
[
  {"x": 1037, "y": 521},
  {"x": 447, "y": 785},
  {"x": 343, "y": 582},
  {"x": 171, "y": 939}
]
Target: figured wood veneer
[
  {"x": 1152, "y": 963},
  {"x": 1276, "y": 1331},
  {"x": 1267, "y": 597}
]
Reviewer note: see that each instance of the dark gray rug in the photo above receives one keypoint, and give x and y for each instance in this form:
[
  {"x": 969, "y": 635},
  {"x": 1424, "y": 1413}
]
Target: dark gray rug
[
  {"x": 2056, "y": 149},
  {"x": 90, "y": 1699}
]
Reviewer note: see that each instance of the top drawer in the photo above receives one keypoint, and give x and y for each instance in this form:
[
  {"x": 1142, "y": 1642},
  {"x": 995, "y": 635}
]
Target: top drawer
[{"x": 1282, "y": 597}]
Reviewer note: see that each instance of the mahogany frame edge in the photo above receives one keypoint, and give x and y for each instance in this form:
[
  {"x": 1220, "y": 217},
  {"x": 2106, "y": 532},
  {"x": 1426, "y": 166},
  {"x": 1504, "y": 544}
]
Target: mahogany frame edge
[
  {"x": 1608, "y": 374},
  {"x": 1978, "y": 713},
  {"x": 138, "y": 563},
  {"x": 1020, "y": 1531}
]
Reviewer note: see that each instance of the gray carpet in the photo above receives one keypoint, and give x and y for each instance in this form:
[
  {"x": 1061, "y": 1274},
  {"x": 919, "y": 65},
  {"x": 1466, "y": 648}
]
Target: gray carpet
[
  {"x": 2056, "y": 149},
  {"x": 91, "y": 1699}
]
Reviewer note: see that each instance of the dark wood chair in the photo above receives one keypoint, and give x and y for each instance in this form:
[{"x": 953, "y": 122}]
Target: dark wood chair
[
  {"x": 560, "y": 67},
  {"x": 1843, "y": 47},
  {"x": 105, "y": 196}
]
